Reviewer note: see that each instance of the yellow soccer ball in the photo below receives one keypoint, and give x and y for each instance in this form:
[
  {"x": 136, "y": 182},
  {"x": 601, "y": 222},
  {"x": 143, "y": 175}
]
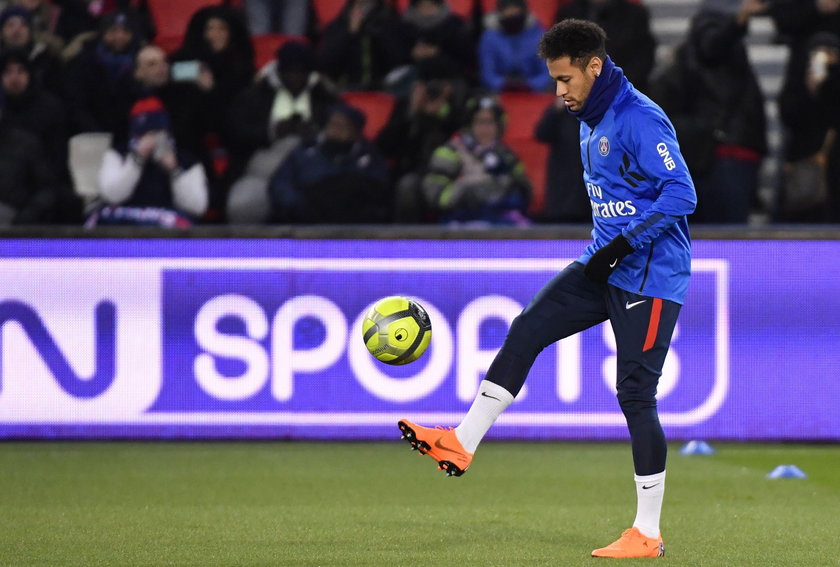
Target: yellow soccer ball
[{"x": 397, "y": 330}]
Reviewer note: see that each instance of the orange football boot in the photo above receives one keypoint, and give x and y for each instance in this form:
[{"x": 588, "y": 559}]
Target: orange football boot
[
  {"x": 439, "y": 443},
  {"x": 632, "y": 543}
]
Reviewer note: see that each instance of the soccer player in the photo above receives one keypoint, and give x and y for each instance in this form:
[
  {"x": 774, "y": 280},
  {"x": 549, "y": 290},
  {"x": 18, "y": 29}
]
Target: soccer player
[{"x": 635, "y": 272}]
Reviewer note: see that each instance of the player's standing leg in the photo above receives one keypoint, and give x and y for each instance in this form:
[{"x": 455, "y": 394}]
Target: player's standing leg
[
  {"x": 566, "y": 305},
  {"x": 643, "y": 327}
]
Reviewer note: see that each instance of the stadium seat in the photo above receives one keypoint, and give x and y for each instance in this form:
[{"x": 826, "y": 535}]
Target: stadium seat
[
  {"x": 266, "y": 46},
  {"x": 544, "y": 10},
  {"x": 171, "y": 18},
  {"x": 85, "y": 153},
  {"x": 376, "y": 105},
  {"x": 523, "y": 112},
  {"x": 327, "y": 10}
]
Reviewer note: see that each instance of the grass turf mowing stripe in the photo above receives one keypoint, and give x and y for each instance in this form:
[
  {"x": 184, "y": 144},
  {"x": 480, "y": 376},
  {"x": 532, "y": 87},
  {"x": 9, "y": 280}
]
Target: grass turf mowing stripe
[{"x": 377, "y": 504}]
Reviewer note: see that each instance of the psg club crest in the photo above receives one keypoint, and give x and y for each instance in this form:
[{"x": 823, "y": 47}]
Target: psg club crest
[{"x": 604, "y": 146}]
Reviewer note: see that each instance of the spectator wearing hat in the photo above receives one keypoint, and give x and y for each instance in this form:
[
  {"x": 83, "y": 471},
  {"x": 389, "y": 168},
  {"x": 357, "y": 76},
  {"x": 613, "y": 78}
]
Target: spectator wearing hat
[
  {"x": 44, "y": 15},
  {"x": 714, "y": 99},
  {"x": 18, "y": 35},
  {"x": 149, "y": 180},
  {"x": 363, "y": 44},
  {"x": 188, "y": 102},
  {"x": 338, "y": 178},
  {"x": 289, "y": 103},
  {"x": 37, "y": 111},
  {"x": 29, "y": 107},
  {"x": 98, "y": 80},
  {"x": 420, "y": 122},
  {"x": 28, "y": 193},
  {"x": 475, "y": 176},
  {"x": 507, "y": 50}
]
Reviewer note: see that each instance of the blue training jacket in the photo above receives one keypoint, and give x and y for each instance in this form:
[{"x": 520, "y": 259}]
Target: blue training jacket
[{"x": 638, "y": 186}]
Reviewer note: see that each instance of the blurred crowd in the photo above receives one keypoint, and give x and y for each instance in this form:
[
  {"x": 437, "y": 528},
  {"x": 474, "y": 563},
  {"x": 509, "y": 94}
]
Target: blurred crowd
[{"x": 384, "y": 111}]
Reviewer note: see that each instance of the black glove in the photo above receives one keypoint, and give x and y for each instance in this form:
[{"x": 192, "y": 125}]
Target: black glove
[{"x": 604, "y": 261}]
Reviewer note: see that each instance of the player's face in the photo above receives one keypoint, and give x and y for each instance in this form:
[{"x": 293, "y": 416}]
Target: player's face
[{"x": 573, "y": 84}]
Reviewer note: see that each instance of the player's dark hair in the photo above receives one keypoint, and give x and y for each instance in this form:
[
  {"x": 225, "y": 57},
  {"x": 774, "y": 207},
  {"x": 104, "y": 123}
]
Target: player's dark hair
[{"x": 579, "y": 40}]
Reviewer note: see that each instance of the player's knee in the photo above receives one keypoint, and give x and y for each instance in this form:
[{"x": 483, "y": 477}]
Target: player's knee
[
  {"x": 638, "y": 406},
  {"x": 522, "y": 333}
]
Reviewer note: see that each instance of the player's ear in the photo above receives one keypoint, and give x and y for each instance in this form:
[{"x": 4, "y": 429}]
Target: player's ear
[{"x": 594, "y": 66}]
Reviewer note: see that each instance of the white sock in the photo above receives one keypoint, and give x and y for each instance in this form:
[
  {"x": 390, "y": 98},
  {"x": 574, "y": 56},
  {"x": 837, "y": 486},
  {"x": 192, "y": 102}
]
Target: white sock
[
  {"x": 649, "y": 492},
  {"x": 489, "y": 403}
]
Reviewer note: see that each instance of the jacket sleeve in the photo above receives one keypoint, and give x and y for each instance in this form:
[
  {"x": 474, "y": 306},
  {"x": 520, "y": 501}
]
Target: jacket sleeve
[
  {"x": 444, "y": 168},
  {"x": 189, "y": 190},
  {"x": 662, "y": 163},
  {"x": 118, "y": 177}
]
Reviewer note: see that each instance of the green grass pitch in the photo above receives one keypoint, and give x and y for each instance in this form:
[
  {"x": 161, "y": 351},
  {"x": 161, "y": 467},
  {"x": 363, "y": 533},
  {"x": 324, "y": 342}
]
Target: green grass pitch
[{"x": 379, "y": 504}]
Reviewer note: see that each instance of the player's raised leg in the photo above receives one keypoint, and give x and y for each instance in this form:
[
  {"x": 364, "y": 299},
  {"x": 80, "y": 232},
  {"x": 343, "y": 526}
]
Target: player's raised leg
[{"x": 566, "y": 305}]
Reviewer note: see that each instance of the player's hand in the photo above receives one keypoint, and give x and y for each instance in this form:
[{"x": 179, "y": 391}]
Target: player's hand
[{"x": 605, "y": 260}]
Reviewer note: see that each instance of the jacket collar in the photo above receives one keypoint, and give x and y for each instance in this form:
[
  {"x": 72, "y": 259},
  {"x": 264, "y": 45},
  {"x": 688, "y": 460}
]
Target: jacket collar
[{"x": 603, "y": 92}]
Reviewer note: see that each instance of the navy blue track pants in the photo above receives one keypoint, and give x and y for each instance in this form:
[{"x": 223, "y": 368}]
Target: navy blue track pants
[{"x": 570, "y": 303}]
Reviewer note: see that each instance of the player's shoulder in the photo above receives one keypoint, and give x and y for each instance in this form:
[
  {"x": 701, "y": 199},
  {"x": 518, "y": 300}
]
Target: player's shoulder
[
  {"x": 634, "y": 105},
  {"x": 638, "y": 114}
]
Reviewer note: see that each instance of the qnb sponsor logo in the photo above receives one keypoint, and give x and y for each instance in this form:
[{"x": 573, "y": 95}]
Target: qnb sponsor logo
[
  {"x": 612, "y": 209},
  {"x": 104, "y": 352},
  {"x": 665, "y": 154}
]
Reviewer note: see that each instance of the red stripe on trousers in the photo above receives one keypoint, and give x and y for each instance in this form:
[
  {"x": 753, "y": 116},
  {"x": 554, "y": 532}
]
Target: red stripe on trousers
[{"x": 653, "y": 326}]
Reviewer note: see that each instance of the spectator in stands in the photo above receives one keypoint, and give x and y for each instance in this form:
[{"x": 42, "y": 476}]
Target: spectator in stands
[
  {"x": 630, "y": 42},
  {"x": 37, "y": 111},
  {"x": 363, "y": 44},
  {"x": 713, "y": 97},
  {"x": 434, "y": 32},
  {"x": 79, "y": 19},
  {"x": 475, "y": 177},
  {"x": 17, "y": 34},
  {"x": 797, "y": 22},
  {"x": 185, "y": 98},
  {"x": 420, "y": 122},
  {"x": 27, "y": 183},
  {"x": 98, "y": 80},
  {"x": 289, "y": 17},
  {"x": 150, "y": 181},
  {"x": 217, "y": 37},
  {"x": 507, "y": 50},
  {"x": 29, "y": 107},
  {"x": 805, "y": 127},
  {"x": 808, "y": 107},
  {"x": 289, "y": 104},
  {"x": 44, "y": 15},
  {"x": 566, "y": 199},
  {"x": 339, "y": 178}
]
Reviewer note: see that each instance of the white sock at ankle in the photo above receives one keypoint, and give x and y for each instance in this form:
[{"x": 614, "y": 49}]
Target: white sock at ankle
[
  {"x": 489, "y": 403},
  {"x": 650, "y": 490}
]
